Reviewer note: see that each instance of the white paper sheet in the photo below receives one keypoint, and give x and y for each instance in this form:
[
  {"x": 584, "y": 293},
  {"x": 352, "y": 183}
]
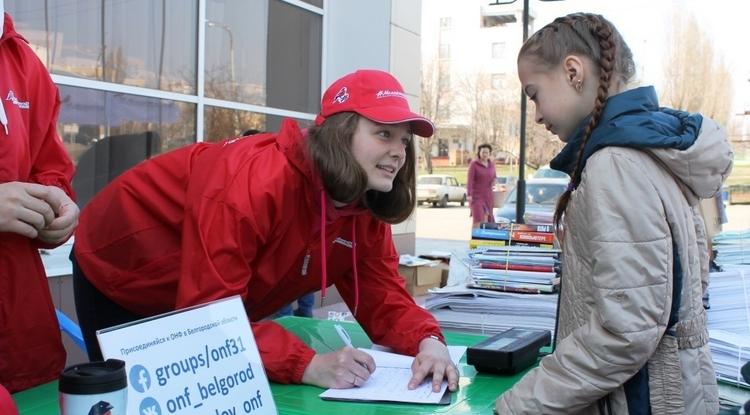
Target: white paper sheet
[{"x": 390, "y": 379}]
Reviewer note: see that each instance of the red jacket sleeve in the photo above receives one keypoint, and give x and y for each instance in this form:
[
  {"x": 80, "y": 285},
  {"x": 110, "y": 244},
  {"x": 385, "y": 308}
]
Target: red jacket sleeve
[
  {"x": 387, "y": 312},
  {"x": 50, "y": 164},
  {"x": 219, "y": 242}
]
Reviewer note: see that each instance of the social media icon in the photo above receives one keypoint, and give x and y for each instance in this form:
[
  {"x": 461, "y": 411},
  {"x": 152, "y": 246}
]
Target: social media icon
[{"x": 140, "y": 379}]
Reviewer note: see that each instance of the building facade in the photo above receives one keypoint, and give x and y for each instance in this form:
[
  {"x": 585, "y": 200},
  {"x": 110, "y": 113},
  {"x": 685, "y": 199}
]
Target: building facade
[{"x": 469, "y": 55}]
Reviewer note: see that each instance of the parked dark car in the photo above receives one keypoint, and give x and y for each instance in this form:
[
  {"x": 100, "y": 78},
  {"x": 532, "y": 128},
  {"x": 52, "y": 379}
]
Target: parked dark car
[
  {"x": 502, "y": 186},
  {"x": 546, "y": 172},
  {"x": 541, "y": 198},
  {"x": 504, "y": 183}
]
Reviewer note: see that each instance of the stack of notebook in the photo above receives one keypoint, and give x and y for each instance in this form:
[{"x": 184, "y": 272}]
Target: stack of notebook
[
  {"x": 732, "y": 248},
  {"x": 509, "y": 234},
  {"x": 519, "y": 269},
  {"x": 456, "y": 306},
  {"x": 488, "y": 311},
  {"x": 729, "y": 321}
]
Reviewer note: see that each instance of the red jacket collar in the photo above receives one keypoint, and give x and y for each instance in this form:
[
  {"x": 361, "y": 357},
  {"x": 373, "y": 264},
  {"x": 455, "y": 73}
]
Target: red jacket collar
[{"x": 9, "y": 29}]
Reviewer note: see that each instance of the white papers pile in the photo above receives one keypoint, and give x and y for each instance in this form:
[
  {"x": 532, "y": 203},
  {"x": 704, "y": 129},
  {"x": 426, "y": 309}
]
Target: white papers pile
[
  {"x": 732, "y": 247},
  {"x": 415, "y": 261},
  {"x": 486, "y": 311},
  {"x": 729, "y": 351},
  {"x": 729, "y": 321}
]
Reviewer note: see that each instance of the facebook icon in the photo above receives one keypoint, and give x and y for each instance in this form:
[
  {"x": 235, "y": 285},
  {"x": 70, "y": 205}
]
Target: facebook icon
[{"x": 140, "y": 379}]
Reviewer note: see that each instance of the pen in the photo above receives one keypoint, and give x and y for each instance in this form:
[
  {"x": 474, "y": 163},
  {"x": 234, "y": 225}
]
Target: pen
[
  {"x": 347, "y": 339},
  {"x": 343, "y": 334}
]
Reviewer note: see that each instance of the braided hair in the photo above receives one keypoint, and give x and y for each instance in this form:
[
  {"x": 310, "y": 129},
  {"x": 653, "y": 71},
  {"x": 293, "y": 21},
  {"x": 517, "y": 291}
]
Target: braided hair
[{"x": 594, "y": 37}]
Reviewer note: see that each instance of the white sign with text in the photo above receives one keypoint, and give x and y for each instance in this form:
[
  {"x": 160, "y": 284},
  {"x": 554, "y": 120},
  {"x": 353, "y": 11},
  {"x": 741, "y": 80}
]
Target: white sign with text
[{"x": 201, "y": 360}]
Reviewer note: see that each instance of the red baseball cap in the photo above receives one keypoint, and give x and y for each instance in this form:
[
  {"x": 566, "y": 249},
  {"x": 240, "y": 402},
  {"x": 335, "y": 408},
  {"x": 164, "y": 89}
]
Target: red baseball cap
[{"x": 375, "y": 95}]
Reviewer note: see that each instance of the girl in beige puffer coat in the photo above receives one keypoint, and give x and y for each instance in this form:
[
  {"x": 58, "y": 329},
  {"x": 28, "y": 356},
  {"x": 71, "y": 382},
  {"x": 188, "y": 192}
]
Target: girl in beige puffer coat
[{"x": 632, "y": 335}]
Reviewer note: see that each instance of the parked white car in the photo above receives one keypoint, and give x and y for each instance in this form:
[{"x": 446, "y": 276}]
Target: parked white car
[{"x": 440, "y": 189}]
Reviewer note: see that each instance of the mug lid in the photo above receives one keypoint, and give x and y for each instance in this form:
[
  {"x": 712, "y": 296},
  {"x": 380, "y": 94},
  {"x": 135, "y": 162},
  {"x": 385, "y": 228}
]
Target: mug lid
[{"x": 94, "y": 377}]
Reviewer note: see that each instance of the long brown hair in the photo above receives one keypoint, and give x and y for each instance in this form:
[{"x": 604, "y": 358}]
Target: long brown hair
[
  {"x": 330, "y": 148},
  {"x": 592, "y": 36}
]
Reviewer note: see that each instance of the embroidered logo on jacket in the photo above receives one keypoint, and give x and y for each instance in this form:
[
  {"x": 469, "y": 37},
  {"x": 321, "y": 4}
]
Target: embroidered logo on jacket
[
  {"x": 344, "y": 242},
  {"x": 24, "y": 105}
]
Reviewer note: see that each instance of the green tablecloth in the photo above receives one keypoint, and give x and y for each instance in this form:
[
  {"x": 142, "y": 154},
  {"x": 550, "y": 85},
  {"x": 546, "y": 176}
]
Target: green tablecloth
[{"x": 477, "y": 392}]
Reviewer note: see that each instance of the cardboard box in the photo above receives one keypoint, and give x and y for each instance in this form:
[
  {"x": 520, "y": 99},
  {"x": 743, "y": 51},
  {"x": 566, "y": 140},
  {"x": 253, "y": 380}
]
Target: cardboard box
[{"x": 420, "y": 279}]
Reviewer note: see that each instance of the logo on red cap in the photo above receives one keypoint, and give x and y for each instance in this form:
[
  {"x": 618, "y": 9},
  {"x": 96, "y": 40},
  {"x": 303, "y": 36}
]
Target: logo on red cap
[
  {"x": 341, "y": 96},
  {"x": 390, "y": 94}
]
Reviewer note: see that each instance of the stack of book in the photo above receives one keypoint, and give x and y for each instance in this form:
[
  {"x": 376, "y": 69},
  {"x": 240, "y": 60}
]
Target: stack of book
[
  {"x": 510, "y": 234},
  {"x": 519, "y": 269}
]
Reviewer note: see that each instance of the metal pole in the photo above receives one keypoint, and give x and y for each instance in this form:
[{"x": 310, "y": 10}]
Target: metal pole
[{"x": 521, "y": 186}]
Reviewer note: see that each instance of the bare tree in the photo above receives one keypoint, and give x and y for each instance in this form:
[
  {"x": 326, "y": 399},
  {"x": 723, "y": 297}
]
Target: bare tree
[
  {"x": 541, "y": 145},
  {"x": 493, "y": 107},
  {"x": 435, "y": 102},
  {"x": 696, "y": 77}
]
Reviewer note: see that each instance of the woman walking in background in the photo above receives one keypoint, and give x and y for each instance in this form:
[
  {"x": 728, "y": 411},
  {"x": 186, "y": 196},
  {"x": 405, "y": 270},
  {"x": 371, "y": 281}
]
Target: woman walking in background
[{"x": 479, "y": 186}]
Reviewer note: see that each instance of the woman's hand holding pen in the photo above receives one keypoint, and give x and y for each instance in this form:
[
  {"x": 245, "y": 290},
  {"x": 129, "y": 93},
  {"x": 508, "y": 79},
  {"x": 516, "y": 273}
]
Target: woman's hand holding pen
[
  {"x": 342, "y": 369},
  {"x": 433, "y": 357}
]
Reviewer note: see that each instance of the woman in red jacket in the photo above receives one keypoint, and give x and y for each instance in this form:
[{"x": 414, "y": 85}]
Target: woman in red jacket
[
  {"x": 271, "y": 218},
  {"x": 36, "y": 211}
]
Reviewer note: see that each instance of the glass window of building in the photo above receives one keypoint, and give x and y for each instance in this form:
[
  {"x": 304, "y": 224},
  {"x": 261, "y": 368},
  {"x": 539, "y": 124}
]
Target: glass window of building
[
  {"x": 106, "y": 133},
  {"x": 316, "y": 3},
  {"x": 263, "y": 53},
  {"x": 127, "y": 71},
  {"x": 498, "y": 81},
  {"x": 219, "y": 122},
  {"x": 498, "y": 50},
  {"x": 236, "y": 57},
  {"x": 141, "y": 43},
  {"x": 444, "y": 51},
  {"x": 295, "y": 50}
]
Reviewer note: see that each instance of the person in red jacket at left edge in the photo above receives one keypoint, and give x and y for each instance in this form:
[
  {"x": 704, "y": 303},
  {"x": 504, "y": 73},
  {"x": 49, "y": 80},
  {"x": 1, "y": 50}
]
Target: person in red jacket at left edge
[
  {"x": 36, "y": 211},
  {"x": 271, "y": 218}
]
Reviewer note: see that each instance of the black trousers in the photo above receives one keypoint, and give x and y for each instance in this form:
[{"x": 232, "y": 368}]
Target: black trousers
[{"x": 95, "y": 311}]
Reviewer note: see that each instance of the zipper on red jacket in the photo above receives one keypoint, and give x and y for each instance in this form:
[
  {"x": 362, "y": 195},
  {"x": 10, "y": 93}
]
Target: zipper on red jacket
[{"x": 305, "y": 263}]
